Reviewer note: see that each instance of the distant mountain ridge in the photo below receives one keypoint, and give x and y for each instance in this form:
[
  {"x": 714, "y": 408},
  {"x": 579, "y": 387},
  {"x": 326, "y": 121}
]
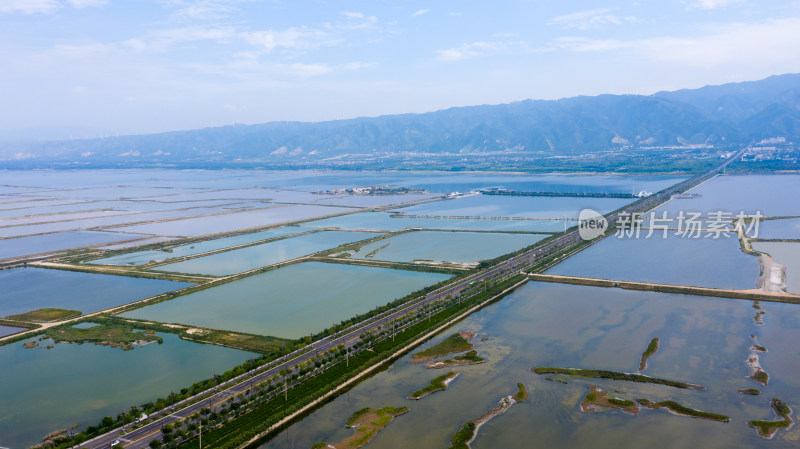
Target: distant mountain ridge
[{"x": 736, "y": 113}]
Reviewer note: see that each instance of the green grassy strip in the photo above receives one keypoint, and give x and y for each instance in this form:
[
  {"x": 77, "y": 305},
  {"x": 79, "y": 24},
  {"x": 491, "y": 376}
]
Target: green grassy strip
[
  {"x": 453, "y": 343},
  {"x": 459, "y": 439},
  {"x": 683, "y": 410},
  {"x": 436, "y": 384},
  {"x": 613, "y": 375}
]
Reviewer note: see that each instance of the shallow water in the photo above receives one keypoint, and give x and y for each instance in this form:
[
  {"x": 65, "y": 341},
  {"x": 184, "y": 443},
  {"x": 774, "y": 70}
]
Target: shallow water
[
  {"x": 384, "y": 221},
  {"x": 8, "y": 330},
  {"x": 44, "y": 390},
  {"x": 515, "y": 206},
  {"x": 700, "y": 262},
  {"x": 143, "y": 257},
  {"x": 787, "y": 228},
  {"x": 703, "y": 340},
  {"x": 27, "y": 289},
  {"x": 245, "y": 259},
  {"x": 461, "y": 247},
  {"x": 191, "y": 227},
  {"x": 749, "y": 194},
  {"x": 23, "y": 246},
  {"x": 291, "y": 301}
]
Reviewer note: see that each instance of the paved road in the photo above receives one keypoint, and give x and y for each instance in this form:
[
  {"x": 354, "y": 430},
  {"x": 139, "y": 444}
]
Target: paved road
[{"x": 141, "y": 437}]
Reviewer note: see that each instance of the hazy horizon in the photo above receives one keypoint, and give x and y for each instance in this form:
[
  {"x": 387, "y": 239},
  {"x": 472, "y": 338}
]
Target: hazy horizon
[{"x": 90, "y": 68}]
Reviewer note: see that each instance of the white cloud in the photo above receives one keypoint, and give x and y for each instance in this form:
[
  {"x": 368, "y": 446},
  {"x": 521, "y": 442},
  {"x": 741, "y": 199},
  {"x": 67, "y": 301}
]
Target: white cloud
[
  {"x": 353, "y": 15},
  {"x": 29, "y": 6},
  {"x": 45, "y": 6},
  {"x": 588, "y": 19},
  {"x": 470, "y": 50},
  {"x": 767, "y": 43},
  {"x": 292, "y": 38},
  {"x": 421, "y": 12},
  {"x": 87, "y": 3},
  {"x": 711, "y": 4}
]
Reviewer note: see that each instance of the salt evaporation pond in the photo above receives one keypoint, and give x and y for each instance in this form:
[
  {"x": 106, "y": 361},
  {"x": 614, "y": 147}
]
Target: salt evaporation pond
[
  {"x": 291, "y": 301},
  {"x": 245, "y": 259},
  {"x": 460, "y": 247},
  {"x": 515, "y": 206},
  {"x": 44, "y": 390},
  {"x": 27, "y": 289},
  {"x": 383, "y": 221}
]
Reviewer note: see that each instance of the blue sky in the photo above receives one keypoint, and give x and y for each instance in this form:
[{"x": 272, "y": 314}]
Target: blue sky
[{"x": 93, "y": 67}]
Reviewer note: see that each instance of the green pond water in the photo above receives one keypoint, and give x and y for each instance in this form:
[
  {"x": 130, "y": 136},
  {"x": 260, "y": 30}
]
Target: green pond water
[
  {"x": 462, "y": 247},
  {"x": 44, "y": 390},
  {"x": 245, "y": 259},
  {"x": 784, "y": 253},
  {"x": 292, "y": 301},
  {"x": 703, "y": 341}
]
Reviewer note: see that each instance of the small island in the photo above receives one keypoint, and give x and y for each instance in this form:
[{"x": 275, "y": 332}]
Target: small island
[
  {"x": 366, "y": 422},
  {"x": 682, "y": 410},
  {"x": 46, "y": 315},
  {"x": 750, "y": 391},
  {"x": 470, "y": 358},
  {"x": 613, "y": 375},
  {"x": 767, "y": 429},
  {"x": 438, "y": 384},
  {"x": 114, "y": 335},
  {"x": 458, "y": 342},
  {"x": 652, "y": 347},
  {"x": 759, "y": 375},
  {"x": 597, "y": 397},
  {"x": 469, "y": 430}
]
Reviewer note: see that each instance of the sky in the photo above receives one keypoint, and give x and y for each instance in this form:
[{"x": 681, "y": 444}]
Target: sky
[{"x": 87, "y": 68}]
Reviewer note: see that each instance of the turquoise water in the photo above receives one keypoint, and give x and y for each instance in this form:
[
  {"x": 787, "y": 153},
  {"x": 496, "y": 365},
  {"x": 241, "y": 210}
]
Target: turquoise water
[
  {"x": 784, "y": 253},
  {"x": 461, "y": 247},
  {"x": 515, "y": 206},
  {"x": 27, "y": 289},
  {"x": 383, "y": 221},
  {"x": 291, "y": 301},
  {"x": 703, "y": 340},
  {"x": 700, "y": 262},
  {"x": 143, "y": 257},
  {"x": 245, "y": 259},
  {"x": 44, "y": 390}
]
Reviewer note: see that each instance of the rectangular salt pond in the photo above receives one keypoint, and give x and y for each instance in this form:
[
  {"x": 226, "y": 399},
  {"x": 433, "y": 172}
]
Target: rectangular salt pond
[
  {"x": 246, "y": 259},
  {"x": 383, "y": 221},
  {"x": 45, "y": 243},
  {"x": 699, "y": 262},
  {"x": 704, "y": 341},
  {"x": 515, "y": 206},
  {"x": 785, "y": 228},
  {"x": 460, "y": 247},
  {"x": 27, "y": 289},
  {"x": 44, "y": 390},
  {"x": 784, "y": 253},
  {"x": 8, "y": 330},
  {"x": 291, "y": 301},
  {"x": 769, "y": 194},
  {"x": 192, "y": 227},
  {"x": 143, "y": 257}
]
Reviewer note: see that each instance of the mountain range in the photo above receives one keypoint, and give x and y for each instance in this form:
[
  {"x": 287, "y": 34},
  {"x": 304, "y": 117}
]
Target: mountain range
[{"x": 725, "y": 115}]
